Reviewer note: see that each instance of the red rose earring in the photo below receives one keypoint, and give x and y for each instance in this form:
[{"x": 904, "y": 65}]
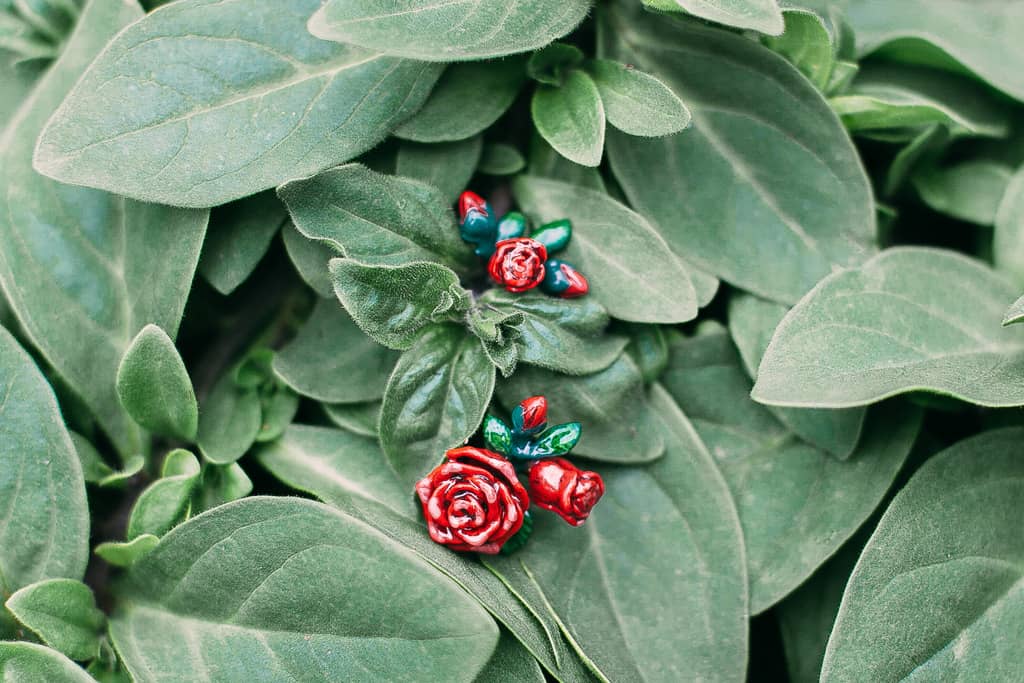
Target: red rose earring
[
  {"x": 474, "y": 501},
  {"x": 516, "y": 262}
]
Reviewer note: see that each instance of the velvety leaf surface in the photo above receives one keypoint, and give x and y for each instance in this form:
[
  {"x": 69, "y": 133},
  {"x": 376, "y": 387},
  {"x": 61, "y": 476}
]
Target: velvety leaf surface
[
  {"x": 218, "y": 100},
  {"x": 620, "y": 424},
  {"x": 358, "y": 418},
  {"x": 331, "y": 360},
  {"x": 448, "y": 166},
  {"x": 63, "y": 613},
  {"x": 797, "y": 504},
  {"x": 229, "y": 421},
  {"x": 30, "y": 662},
  {"x": 571, "y": 117},
  {"x": 910, "y": 319},
  {"x": 970, "y": 191},
  {"x": 44, "y": 520},
  {"x": 83, "y": 270},
  {"x": 752, "y": 322},
  {"x": 759, "y": 15},
  {"x": 806, "y": 43},
  {"x": 652, "y": 586},
  {"x": 128, "y": 553},
  {"x": 154, "y": 386},
  {"x": 450, "y": 30},
  {"x": 167, "y": 501},
  {"x": 1008, "y": 242},
  {"x": 1015, "y": 313},
  {"x": 511, "y": 663},
  {"x": 310, "y": 258},
  {"x": 240, "y": 234},
  {"x": 500, "y": 159},
  {"x": 378, "y": 219},
  {"x": 937, "y": 592},
  {"x": 631, "y": 270},
  {"x": 267, "y": 587},
  {"x": 638, "y": 103},
  {"x": 754, "y": 154},
  {"x": 435, "y": 400}
]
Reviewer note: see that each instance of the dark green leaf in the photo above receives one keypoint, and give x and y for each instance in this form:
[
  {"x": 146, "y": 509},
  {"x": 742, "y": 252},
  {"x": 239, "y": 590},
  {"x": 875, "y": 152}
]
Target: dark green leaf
[
  {"x": 557, "y": 440},
  {"x": 511, "y": 663},
  {"x": 229, "y": 421},
  {"x": 154, "y": 386},
  {"x": 549, "y": 64},
  {"x": 448, "y": 166},
  {"x": 310, "y": 257},
  {"x": 165, "y": 502},
  {"x": 571, "y": 118},
  {"x": 500, "y": 159},
  {"x": 240, "y": 234},
  {"x": 358, "y": 418},
  {"x": 278, "y": 406},
  {"x": 637, "y": 103},
  {"x": 63, "y": 613},
  {"x": 807, "y": 44},
  {"x": 970, "y": 191}
]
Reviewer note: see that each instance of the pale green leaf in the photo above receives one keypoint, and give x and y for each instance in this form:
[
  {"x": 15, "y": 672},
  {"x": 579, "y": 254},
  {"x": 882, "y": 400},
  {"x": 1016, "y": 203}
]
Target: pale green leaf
[
  {"x": 310, "y": 257},
  {"x": 807, "y": 44},
  {"x": 239, "y": 235},
  {"x": 571, "y": 118},
  {"x": 1008, "y": 242},
  {"x": 33, "y": 663},
  {"x": 217, "y": 101},
  {"x": 63, "y": 613},
  {"x": 636, "y": 102},
  {"x": 759, "y": 15},
  {"x": 127, "y": 553},
  {"x": 154, "y": 386},
  {"x": 970, "y": 191},
  {"x": 219, "y": 485},
  {"x": 229, "y": 420},
  {"x": 166, "y": 501},
  {"x": 448, "y": 166},
  {"x": 1015, "y": 313}
]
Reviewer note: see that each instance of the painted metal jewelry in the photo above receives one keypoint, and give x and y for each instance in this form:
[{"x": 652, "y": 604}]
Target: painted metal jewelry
[{"x": 516, "y": 260}]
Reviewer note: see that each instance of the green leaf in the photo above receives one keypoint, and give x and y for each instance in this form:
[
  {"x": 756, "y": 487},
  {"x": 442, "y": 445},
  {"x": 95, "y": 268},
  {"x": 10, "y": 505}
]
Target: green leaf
[
  {"x": 220, "y": 485},
  {"x": 550, "y": 63},
  {"x": 648, "y": 347},
  {"x": 925, "y": 148},
  {"x": 797, "y": 504},
  {"x": 132, "y": 466},
  {"x": 94, "y": 467},
  {"x": 1015, "y": 313},
  {"x": 511, "y": 663},
  {"x": 278, "y": 406},
  {"x": 310, "y": 257},
  {"x": 44, "y": 532},
  {"x": 263, "y": 587},
  {"x": 457, "y": 109},
  {"x": 346, "y": 471},
  {"x": 239, "y": 236},
  {"x": 970, "y": 191},
  {"x": 891, "y": 327},
  {"x": 392, "y": 304},
  {"x": 637, "y": 103},
  {"x": 84, "y": 271},
  {"x": 547, "y": 163},
  {"x": 30, "y": 662},
  {"x": 63, "y": 613},
  {"x": 378, "y": 219},
  {"x": 358, "y": 418},
  {"x": 754, "y": 154},
  {"x": 660, "y": 554},
  {"x": 759, "y": 15},
  {"x": 557, "y": 440},
  {"x": 571, "y": 118},
  {"x": 807, "y": 44},
  {"x": 229, "y": 420},
  {"x": 937, "y": 590},
  {"x": 500, "y": 159},
  {"x": 447, "y": 31},
  {"x": 448, "y": 166},
  {"x": 497, "y": 435},
  {"x": 619, "y": 424},
  {"x": 565, "y": 335},
  {"x": 435, "y": 400},
  {"x": 954, "y": 34},
  {"x": 165, "y": 502},
  {"x": 752, "y": 322},
  {"x": 154, "y": 386},
  {"x": 1008, "y": 242},
  {"x": 331, "y": 360},
  {"x": 219, "y": 101},
  {"x": 631, "y": 270},
  {"x": 128, "y": 553}
]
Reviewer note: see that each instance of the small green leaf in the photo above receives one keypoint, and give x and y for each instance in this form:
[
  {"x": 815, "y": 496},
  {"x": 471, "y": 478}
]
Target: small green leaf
[
  {"x": 497, "y": 435},
  {"x": 310, "y": 257},
  {"x": 358, "y": 418},
  {"x": 392, "y": 304},
  {"x": 648, "y": 347},
  {"x": 557, "y": 440},
  {"x": 154, "y": 386},
  {"x": 554, "y": 236},
  {"x": 807, "y": 44},
  {"x": 637, "y": 103},
  {"x": 1014, "y": 314},
  {"x": 278, "y": 407},
  {"x": 118, "y": 479},
  {"x": 128, "y": 553},
  {"x": 35, "y": 663},
  {"x": 549, "y": 64},
  {"x": 221, "y": 485},
  {"x": 63, "y": 613},
  {"x": 94, "y": 467},
  {"x": 1008, "y": 242},
  {"x": 229, "y": 421},
  {"x": 165, "y": 502},
  {"x": 500, "y": 159},
  {"x": 447, "y": 31},
  {"x": 239, "y": 235},
  {"x": 435, "y": 399},
  {"x": 970, "y": 191},
  {"x": 448, "y": 166},
  {"x": 571, "y": 118}
]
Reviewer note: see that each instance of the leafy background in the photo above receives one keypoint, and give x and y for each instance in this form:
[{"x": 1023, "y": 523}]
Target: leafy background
[{"x": 238, "y": 322}]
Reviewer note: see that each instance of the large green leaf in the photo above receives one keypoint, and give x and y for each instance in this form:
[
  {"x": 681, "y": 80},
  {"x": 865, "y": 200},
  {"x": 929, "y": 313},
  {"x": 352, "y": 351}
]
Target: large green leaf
[
  {"x": 33, "y": 663},
  {"x": 83, "y": 270},
  {"x": 331, "y": 360},
  {"x": 511, "y": 663},
  {"x": 731, "y": 192},
  {"x": 44, "y": 519},
  {"x": 752, "y": 322},
  {"x": 348, "y": 472},
  {"x": 377, "y": 219},
  {"x": 652, "y": 586},
  {"x": 218, "y": 100},
  {"x": 449, "y": 30},
  {"x": 1008, "y": 242},
  {"x": 435, "y": 399},
  {"x": 910, "y": 319},
  {"x": 265, "y": 588},
  {"x": 938, "y": 593},
  {"x": 759, "y": 15},
  {"x": 240, "y": 234},
  {"x": 631, "y": 270},
  {"x": 797, "y": 504}
]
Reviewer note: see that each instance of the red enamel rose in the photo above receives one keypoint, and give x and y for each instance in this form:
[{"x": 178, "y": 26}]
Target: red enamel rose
[
  {"x": 473, "y": 501},
  {"x": 518, "y": 263},
  {"x": 535, "y": 412},
  {"x": 557, "y": 485}
]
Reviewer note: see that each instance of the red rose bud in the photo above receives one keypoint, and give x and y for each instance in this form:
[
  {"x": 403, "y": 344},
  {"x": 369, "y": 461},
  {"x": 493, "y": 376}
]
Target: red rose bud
[
  {"x": 578, "y": 285},
  {"x": 518, "y": 264},
  {"x": 532, "y": 414},
  {"x": 471, "y": 201},
  {"x": 474, "y": 501},
  {"x": 557, "y": 485}
]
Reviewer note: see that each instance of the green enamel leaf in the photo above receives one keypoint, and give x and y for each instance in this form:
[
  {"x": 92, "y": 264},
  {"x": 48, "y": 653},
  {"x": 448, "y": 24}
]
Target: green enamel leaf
[
  {"x": 448, "y": 166},
  {"x": 497, "y": 435},
  {"x": 128, "y": 553},
  {"x": 937, "y": 590},
  {"x": 754, "y": 154},
  {"x": 970, "y": 191},
  {"x": 557, "y": 440},
  {"x": 392, "y": 304},
  {"x": 239, "y": 235},
  {"x": 378, "y": 219},
  {"x": 630, "y": 268},
  {"x": 1008, "y": 243},
  {"x": 331, "y": 360},
  {"x": 759, "y": 15},
  {"x": 447, "y": 31},
  {"x": 165, "y": 502},
  {"x": 229, "y": 421},
  {"x": 435, "y": 399},
  {"x": 262, "y": 587},
  {"x": 31, "y": 662},
  {"x": 891, "y": 327},
  {"x": 571, "y": 118},
  {"x": 154, "y": 386},
  {"x": 63, "y": 613},
  {"x": 222, "y": 101},
  {"x": 44, "y": 532},
  {"x": 122, "y": 264},
  {"x": 637, "y": 103}
]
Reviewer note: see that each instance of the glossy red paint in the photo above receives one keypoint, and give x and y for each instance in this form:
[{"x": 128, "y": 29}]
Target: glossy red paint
[
  {"x": 558, "y": 485},
  {"x": 518, "y": 263}
]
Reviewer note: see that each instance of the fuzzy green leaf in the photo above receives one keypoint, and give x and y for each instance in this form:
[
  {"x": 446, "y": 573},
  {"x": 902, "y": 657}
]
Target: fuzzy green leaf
[
  {"x": 310, "y": 257},
  {"x": 36, "y": 663},
  {"x": 229, "y": 421},
  {"x": 448, "y": 166},
  {"x": 165, "y": 502},
  {"x": 154, "y": 386},
  {"x": 807, "y": 44},
  {"x": 63, "y": 613},
  {"x": 240, "y": 234},
  {"x": 1008, "y": 242},
  {"x": 571, "y": 118},
  {"x": 358, "y": 418},
  {"x": 636, "y": 102},
  {"x": 128, "y": 553},
  {"x": 511, "y": 663},
  {"x": 221, "y": 485},
  {"x": 500, "y": 159},
  {"x": 970, "y": 191},
  {"x": 759, "y": 15}
]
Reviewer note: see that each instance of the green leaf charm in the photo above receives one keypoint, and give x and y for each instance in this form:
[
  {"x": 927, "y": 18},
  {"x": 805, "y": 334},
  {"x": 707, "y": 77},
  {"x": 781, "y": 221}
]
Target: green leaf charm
[
  {"x": 497, "y": 435},
  {"x": 557, "y": 440},
  {"x": 154, "y": 386}
]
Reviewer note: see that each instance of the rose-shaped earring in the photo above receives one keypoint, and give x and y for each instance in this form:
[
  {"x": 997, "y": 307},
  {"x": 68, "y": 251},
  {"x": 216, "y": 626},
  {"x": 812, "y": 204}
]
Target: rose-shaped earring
[
  {"x": 558, "y": 485},
  {"x": 518, "y": 263}
]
